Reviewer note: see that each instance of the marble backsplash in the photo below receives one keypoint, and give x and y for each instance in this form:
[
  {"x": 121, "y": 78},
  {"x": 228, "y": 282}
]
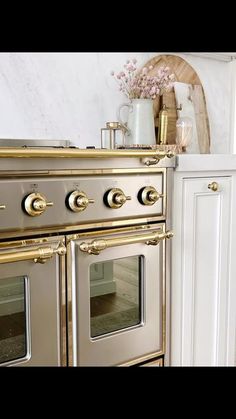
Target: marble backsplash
[{"x": 72, "y": 95}]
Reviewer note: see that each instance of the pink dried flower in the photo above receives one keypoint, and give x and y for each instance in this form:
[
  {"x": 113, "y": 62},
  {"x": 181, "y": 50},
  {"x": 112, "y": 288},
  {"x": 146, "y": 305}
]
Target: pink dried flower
[{"x": 138, "y": 84}]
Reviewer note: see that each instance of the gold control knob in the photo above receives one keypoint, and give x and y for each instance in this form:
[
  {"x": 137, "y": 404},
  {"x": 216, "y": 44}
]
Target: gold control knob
[
  {"x": 149, "y": 195},
  {"x": 214, "y": 186},
  {"x": 115, "y": 198},
  {"x": 2, "y": 207},
  {"x": 78, "y": 201},
  {"x": 36, "y": 203}
]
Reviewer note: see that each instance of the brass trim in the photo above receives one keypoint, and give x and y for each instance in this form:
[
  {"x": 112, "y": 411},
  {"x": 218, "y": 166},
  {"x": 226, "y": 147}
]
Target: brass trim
[
  {"x": 38, "y": 255},
  {"x": 153, "y": 363},
  {"x": 79, "y": 172},
  {"x": 29, "y": 242},
  {"x": 63, "y": 317},
  {"x": 2, "y": 207},
  {"x": 70, "y": 228},
  {"x": 96, "y": 246},
  {"x": 142, "y": 359},
  {"x": 12, "y": 152},
  {"x": 99, "y": 233},
  {"x": 71, "y": 309}
]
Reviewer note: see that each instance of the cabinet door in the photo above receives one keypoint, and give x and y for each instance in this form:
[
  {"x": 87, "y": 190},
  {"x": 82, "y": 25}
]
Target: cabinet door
[{"x": 200, "y": 272}]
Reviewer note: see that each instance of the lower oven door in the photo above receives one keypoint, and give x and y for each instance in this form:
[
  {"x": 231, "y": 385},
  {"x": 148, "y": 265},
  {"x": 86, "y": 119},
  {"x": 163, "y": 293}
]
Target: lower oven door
[
  {"x": 117, "y": 295},
  {"x": 30, "y": 302}
]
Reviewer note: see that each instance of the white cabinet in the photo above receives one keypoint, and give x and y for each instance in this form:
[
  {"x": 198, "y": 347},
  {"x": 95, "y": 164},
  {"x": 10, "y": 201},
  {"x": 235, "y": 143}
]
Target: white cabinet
[{"x": 203, "y": 294}]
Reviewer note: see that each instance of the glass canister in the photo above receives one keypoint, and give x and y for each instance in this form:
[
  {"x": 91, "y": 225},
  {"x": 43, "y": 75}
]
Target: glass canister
[
  {"x": 184, "y": 132},
  {"x": 112, "y": 136}
]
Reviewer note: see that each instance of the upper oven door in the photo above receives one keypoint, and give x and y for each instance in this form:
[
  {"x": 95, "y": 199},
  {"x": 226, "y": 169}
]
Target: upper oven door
[
  {"x": 118, "y": 287},
  {"x": 30, "y": 302}
]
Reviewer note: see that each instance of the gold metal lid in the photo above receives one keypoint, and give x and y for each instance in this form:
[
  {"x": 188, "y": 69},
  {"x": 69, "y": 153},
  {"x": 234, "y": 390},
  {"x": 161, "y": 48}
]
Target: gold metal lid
[{"x": 113, "y": 125}]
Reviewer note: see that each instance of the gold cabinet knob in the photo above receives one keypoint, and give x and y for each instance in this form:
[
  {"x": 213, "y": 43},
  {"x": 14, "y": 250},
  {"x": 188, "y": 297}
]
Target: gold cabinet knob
[
  {"x": 2, "y": 207},
  {"x": 214, "y": 186},
  {"x": 78, "y": 201},
  {"x": 149, "y": 195},
  {"x": 115, "y": 198},
  {"x": 35, "y": 204}
]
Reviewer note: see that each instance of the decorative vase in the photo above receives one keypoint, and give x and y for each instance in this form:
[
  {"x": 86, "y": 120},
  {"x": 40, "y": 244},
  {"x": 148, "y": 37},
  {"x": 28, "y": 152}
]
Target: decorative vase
[{"x": 140, "y": 127}]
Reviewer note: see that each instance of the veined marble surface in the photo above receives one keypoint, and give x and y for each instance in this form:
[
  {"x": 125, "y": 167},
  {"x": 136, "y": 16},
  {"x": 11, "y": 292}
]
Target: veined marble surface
[
  {"x": 72, "y": 95},
  {"x": 205, "y": 162}
]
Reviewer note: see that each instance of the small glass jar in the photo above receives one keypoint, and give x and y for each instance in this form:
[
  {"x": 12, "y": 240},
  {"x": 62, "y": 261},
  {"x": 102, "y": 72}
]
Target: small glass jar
[
  {"x": 184, "y": 132},
  {"x": 112, "y": 136}
]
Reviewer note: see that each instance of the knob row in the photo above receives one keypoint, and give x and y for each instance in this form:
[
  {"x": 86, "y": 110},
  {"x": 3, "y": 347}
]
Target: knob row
[{"x": 36, "y": 203}]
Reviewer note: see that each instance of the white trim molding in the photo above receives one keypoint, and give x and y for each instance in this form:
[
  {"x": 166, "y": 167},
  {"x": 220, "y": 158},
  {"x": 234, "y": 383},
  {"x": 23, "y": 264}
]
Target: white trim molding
[{"x": 233, "y": 108}]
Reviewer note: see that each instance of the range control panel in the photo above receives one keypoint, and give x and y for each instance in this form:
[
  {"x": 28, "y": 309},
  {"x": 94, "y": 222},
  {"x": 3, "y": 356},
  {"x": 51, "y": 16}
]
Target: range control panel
[{"x": 37, "y": 202}]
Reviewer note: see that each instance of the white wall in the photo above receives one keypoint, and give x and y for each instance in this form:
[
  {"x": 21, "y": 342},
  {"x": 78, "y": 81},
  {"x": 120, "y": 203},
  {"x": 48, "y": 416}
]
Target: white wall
[{"x": 72, "y": 95}]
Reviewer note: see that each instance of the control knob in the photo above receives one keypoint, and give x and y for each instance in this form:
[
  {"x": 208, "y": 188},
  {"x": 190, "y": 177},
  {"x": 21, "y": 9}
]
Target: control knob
[
  {"x": 115, "y": 198},
  {"x": 35, "y": 204},
  {"x": 149, "y": 195},
  {"x": 78, "y": 201}
]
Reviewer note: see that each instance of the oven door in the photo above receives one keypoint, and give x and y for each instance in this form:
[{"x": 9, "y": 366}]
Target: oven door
[
  {"x": 117, "y": 295},
  {"x": 30, "y": 302}
]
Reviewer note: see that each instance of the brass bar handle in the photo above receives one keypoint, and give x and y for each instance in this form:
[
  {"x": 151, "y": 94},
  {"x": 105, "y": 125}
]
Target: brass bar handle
[
  {"x": 96, "y": 246},
  {"x": 2, "y": 207},
  {"x": 214, "y": 186},
  {"x": 38, "y": 255}
]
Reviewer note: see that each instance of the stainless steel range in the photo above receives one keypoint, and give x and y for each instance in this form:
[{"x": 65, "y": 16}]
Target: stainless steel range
[{"x": 83, "y": 255}]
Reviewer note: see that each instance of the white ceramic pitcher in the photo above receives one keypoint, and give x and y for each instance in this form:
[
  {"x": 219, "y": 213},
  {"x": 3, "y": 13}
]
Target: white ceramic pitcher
[{"x": 140, "y": 127}]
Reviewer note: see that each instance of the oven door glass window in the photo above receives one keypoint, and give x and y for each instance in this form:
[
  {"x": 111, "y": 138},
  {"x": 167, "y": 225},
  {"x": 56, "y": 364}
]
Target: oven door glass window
[
  {"x": 115, "y": 295},
  {"x": 12, "y": 319}
]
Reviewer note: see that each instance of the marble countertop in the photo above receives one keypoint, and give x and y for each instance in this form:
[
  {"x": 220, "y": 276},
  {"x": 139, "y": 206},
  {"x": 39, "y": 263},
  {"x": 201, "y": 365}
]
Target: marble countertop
[{"x": 205, "y": 162}]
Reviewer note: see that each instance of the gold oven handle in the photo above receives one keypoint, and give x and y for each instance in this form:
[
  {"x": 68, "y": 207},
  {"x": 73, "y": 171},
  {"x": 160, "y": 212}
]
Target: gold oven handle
[
  {"x": 38, "y": 255},
  {"x": 96, "y": 246}
]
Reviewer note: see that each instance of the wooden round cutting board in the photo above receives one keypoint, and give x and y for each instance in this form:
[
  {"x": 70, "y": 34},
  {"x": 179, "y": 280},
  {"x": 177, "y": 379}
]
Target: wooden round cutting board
[{"x": 184, "y": 73}]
